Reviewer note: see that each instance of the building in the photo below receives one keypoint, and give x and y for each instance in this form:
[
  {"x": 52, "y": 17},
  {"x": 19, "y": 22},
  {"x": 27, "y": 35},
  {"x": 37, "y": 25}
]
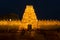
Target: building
[{"x": 29, "y": 18}]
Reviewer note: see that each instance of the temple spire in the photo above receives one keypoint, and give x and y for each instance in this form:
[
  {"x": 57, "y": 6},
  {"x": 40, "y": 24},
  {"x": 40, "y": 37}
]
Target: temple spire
[
  {"x": 29, "y": 14},
  {"x": 29, "y": 17}
]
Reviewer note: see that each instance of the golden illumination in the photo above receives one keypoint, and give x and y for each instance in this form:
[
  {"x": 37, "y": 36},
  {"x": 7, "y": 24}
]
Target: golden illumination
[{"x": 29, "y": 18}]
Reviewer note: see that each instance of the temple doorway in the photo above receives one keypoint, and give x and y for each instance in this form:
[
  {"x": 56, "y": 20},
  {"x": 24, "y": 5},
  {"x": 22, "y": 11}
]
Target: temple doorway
[{"x": 29, "y": 27}]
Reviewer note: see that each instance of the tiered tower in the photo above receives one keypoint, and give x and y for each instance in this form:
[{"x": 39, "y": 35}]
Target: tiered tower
[{"x": 29, "y": 17}]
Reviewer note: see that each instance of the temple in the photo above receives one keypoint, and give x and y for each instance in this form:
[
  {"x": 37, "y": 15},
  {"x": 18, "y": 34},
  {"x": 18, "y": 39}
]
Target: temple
[{"x": 29, "y": 18}]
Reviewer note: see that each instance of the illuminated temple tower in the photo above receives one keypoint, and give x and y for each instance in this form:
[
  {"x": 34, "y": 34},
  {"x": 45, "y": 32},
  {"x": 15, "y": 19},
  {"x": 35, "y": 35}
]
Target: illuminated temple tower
[{"x": 29, "y": 17}]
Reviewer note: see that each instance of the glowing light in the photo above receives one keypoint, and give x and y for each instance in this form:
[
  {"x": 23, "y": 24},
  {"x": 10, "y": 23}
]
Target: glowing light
[{"x": 9, "y": 19}]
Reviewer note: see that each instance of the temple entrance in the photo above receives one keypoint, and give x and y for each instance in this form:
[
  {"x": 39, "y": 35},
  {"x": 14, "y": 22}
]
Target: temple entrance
[{"x": 29, "y": 27}]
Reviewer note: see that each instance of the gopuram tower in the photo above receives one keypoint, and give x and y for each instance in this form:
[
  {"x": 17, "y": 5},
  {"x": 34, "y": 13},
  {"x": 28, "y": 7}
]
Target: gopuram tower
[{"x": 29, "y": 17}]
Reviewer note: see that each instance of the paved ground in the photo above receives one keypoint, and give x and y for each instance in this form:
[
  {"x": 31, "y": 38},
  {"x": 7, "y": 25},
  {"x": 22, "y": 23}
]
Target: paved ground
[{"x": 33, "y": 35}]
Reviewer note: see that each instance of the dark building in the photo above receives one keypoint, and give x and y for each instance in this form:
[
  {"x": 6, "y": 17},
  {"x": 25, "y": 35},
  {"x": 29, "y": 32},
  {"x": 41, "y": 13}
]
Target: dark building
[{"x": 11, "y": 16}]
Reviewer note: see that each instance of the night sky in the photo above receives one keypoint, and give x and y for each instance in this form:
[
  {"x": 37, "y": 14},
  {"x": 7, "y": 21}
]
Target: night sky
[{"x": 45, "y": 9}]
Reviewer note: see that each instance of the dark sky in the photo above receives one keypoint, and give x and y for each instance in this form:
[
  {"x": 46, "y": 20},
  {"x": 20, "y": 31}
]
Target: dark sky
[{"x": 45, "y": 9}]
